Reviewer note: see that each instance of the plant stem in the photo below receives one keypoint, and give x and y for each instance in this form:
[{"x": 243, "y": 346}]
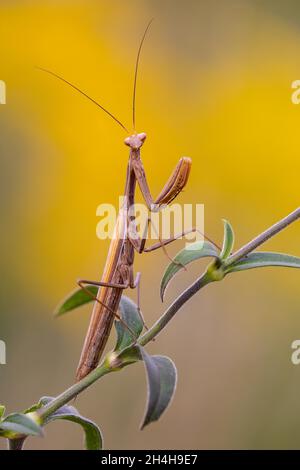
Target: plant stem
[
  {"x": 173, "y": 309},
  {"x": 73, "y": 391},
  {"x": 263, "y": 237},
  {"x": 167, "y": 316},
  {"x": 16, "y": 444}
]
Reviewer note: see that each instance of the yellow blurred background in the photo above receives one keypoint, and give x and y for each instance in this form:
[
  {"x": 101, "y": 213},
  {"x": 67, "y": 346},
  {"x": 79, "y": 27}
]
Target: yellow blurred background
[{"x": 215, "y": 84}]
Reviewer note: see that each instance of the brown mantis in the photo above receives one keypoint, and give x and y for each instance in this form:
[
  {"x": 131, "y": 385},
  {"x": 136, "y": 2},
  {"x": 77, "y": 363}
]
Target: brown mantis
[{"x": 118, "y": 271}]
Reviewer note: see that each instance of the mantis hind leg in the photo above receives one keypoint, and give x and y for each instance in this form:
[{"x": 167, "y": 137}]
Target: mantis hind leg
[
  {"x": 162, "y": 243},
  {"x": 82, "y": 284},
  {"x": 139, "y": 243},
  {"x": 136, "y": 284}
]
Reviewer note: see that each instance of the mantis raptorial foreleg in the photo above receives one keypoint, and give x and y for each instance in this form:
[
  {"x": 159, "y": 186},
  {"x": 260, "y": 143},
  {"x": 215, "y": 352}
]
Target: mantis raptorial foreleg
[{"x": 171, "y": 189}]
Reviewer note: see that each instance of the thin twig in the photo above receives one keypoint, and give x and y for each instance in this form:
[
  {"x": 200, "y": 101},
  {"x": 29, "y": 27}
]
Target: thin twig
[
  {"x": 264, "y": 236},
  {"x": 173, "y": 309},
  {"x": 73, "y": 391},
  {"x": 16, "y": 444},
  {"x": 161, "y": 323}
]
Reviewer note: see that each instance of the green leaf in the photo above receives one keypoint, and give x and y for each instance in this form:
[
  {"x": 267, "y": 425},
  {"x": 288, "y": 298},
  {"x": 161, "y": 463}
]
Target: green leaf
[
  {"x": 75, "y": 299},
  {"x": 191, "y": 253},
  {"x": 2, "y": 410},
  {"x": 161, "y": 379},
  {"x": 32, "y": 408},
  {"x": 93, "y": 436},
  {"x": 228, "y": 240},
  {"x": 132, "y": 318},
  {"x": 262, "y": 259},
  {"x": 21, "y": 424}
]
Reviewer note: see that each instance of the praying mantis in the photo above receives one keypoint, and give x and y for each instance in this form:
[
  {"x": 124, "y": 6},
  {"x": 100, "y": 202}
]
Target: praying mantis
[{"x": 118, "y": 273}]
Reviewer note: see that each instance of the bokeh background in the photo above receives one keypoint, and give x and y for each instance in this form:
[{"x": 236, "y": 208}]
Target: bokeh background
[{"x": 215, "y": 84}]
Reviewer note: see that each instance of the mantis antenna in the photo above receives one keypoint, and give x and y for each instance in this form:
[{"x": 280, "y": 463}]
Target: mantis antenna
[
  {"x": 86, "y": 96},
  {"x": 136, "y": 71}
]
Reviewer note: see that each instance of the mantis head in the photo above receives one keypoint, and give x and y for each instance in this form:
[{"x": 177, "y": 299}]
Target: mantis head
[{"x": 135, "y": 141}]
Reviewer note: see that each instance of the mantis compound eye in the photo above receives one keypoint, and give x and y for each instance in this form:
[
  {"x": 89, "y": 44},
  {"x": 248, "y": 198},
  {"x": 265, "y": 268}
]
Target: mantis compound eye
[{"x": 142, "y": 136}]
